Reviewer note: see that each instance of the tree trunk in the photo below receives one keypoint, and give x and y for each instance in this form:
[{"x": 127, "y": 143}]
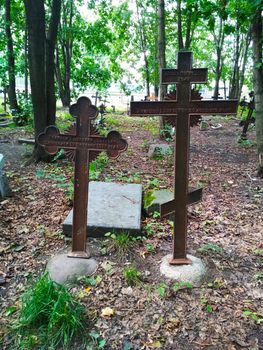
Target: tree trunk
[
  {"x": 11, "y": 58},
  {"x": 257, "y": 38},
  {"x": 179, "y": 26},
  {"x": 244, "y": 62},
  {"x": 50, "y": 61},
  {"x": 26, "y": 63},
  {"x": 219, "y": 41},
  {"x": 161, "y": 52},
  {"x": 233, "y": 94},
  {"x": 35, "y": 16}
]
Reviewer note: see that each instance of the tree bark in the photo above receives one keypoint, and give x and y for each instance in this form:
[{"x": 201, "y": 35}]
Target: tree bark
[
  {"x": 244, "y": 62},
  {"x": 11, "y": 58},
  {"x": 219, "y": 41},
  {"x": 257, "y": 38},
  {"x": 50, "y": 61},
  {"x": 233, "y": 94},
  {"x": 35, "y": 16},
  {"x": 161, "y": 53},
  {"x": 179, "y": 26}
]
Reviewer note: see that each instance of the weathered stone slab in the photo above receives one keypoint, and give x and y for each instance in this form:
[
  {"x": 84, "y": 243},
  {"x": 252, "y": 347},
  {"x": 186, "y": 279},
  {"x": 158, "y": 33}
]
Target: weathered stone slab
[
  {"x": 4, "y": 187},
  {"x": 159, "y": 150},
  {"x": 112, "y": 207}
]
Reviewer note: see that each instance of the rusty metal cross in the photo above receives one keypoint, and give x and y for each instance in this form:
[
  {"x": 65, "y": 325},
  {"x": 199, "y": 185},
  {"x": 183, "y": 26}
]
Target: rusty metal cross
[
  {"x": 83, "y": 144},
  {"x": 182, "y": 108}
]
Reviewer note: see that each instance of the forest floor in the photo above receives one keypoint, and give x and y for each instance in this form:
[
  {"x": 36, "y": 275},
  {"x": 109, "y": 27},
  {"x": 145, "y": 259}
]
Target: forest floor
[{"x": 224, "y": 312}]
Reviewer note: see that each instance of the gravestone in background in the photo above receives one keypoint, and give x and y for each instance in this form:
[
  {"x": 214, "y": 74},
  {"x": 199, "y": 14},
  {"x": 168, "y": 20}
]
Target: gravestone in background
[{"x": 4, "y": 187}]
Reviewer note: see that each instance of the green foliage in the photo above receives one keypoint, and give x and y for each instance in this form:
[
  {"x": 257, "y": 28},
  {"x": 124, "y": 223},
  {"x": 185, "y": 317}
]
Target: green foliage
[
  {"x": 132, "y": 276},
  {"x": 50, "y": 316},
  {"x": 208, "y": 307},
  {"x": 23, "y": 116},
  {"x": 148, "y": 198},
  {"x": 98, "y": 165},
  {"x": 162, "y": 289},
  {"x": 119, "y": 242},
  {"x": 254, "y": 316},
  {"x": 210, "y": 248},
  {"x": 168, "y": 132},
  {"x": 181, "y": 285},
  {"x": 218, "y": 283}
]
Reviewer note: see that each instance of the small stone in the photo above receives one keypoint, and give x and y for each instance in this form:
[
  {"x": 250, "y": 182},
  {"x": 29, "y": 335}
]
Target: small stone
[
  {"x": 63, "y": 269},
  {"x": 127, "y": 291}
]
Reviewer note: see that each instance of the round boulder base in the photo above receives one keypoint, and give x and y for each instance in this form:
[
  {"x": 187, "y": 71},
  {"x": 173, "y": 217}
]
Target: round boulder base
[
  {"x": 63, "y": 269},
  {"x": 189, "y": 273}
]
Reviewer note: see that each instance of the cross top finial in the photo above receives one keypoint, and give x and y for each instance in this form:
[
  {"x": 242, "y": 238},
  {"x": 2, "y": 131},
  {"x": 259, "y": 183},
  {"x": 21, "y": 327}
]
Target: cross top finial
[
  {"x": 83, "y": 107},
  {"x": 184, "y": 61}
]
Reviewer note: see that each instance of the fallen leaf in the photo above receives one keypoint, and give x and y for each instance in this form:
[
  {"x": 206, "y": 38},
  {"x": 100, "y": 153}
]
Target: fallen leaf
[{"x": 107, "y": 312}]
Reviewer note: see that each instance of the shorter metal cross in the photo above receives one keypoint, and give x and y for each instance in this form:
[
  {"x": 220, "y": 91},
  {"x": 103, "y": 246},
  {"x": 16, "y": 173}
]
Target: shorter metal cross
[{"x": 83, "y": 144}]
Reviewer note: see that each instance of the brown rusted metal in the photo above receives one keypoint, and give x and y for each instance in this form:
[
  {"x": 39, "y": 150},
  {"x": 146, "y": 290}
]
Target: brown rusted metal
[
  {"x": 82, "y": 144},
  {"x": 193, "y": 197},
  {"x": 194, "y": 119},
  {"x": 182, "y": 109}
]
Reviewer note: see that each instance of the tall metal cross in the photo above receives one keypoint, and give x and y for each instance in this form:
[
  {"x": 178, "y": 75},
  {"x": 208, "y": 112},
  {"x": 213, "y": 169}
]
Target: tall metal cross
[
  {"x": 182, "y": 108},
  {"x": 83, "y": 144}
]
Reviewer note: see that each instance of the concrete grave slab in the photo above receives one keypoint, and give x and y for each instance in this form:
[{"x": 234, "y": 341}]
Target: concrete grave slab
[
  {"x": 4, "y": 187},
  {"x": 188, "y": 273},
  {"x": 112, "y": 207}
]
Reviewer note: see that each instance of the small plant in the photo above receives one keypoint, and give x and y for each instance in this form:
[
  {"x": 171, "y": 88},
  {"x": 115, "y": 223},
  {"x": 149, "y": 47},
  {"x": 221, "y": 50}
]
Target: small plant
[
  {"x": 254, "y": 316},
  {"x": 132, "y": 276},
  {"x": 50, "y": 316},
  {"x": 209, "y": 308},
  {"x": 207, "y": 248},
  {"x": 168, "y": 132},
  {"x": 150, "y": 247},
  {"x": 148, "y": 199},
  {"x": 218, "y": 283},
  {"x": 181, "y": 285},
  {"x": 259, "y": 276},
  {"x": 162, "y": 289},
  {"x": 120, "y": 242}
]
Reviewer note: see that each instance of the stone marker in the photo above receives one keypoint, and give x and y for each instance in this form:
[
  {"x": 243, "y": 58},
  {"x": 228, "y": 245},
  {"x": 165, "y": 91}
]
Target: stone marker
[
  {"x": 182, "y": 108},
  {"x": 112, "y": 207},
  {"x": 4, "y": 187},
  {"x": 159, "y": 150}
]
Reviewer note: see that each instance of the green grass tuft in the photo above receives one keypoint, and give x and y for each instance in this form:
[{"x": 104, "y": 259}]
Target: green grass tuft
[{"x": 50, "y": 316}]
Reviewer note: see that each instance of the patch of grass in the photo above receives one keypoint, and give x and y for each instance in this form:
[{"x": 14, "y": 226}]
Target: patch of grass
[
  {"x": 132, "y": 276},
  {"x": 120, "y": 243},
  {"x": 50, "y": 316},
  {"x": 181, "y": 285},
  {"x": 210, "y": 248}
]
